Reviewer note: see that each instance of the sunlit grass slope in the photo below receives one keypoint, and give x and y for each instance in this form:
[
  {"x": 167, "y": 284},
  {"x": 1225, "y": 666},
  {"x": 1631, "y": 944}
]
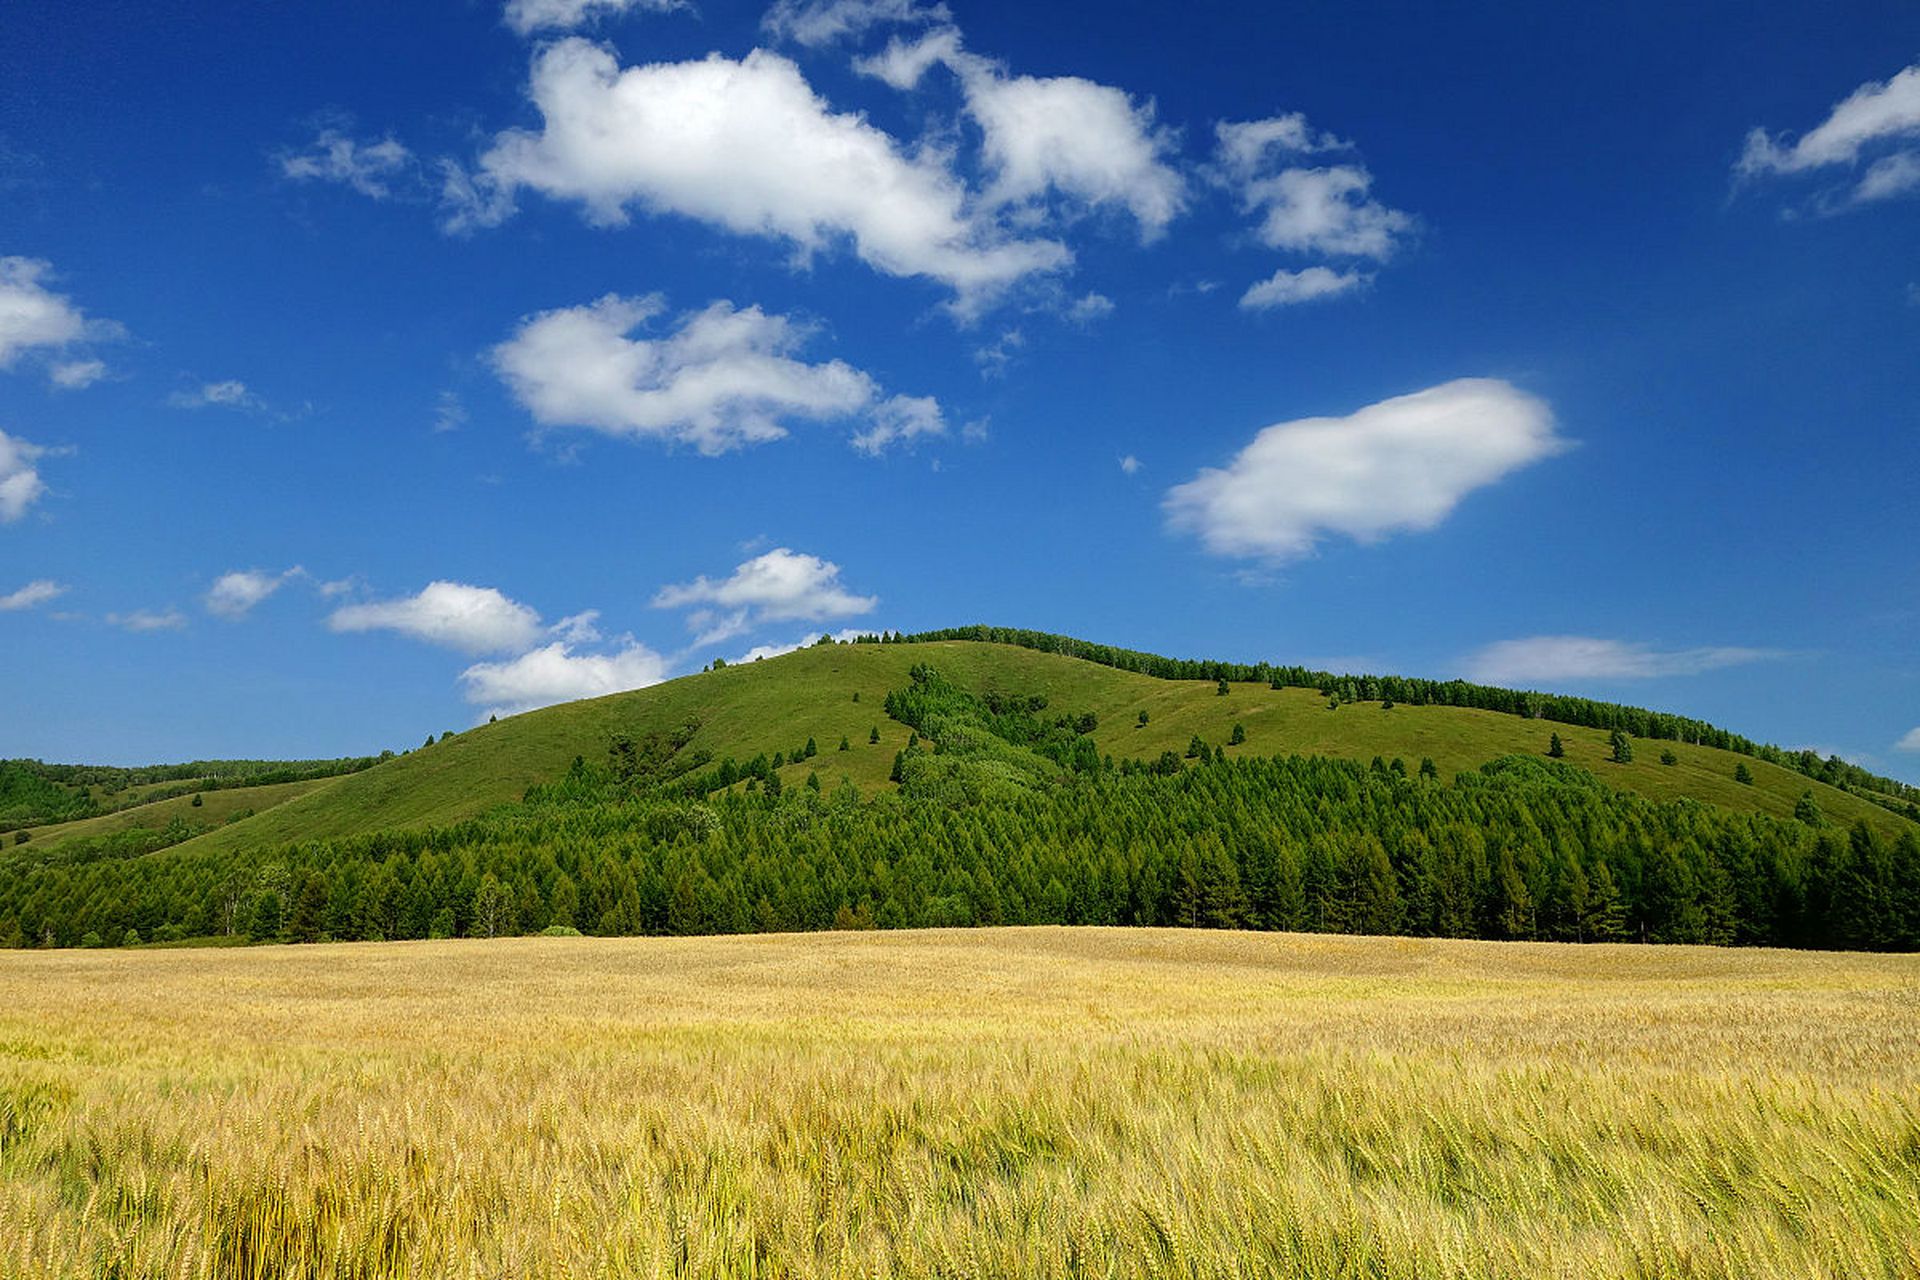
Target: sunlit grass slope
[
  {"x": 776, "y": 705},
  {"x": 216, "y": 806},
  {"x": 1046, "y": 1102}
]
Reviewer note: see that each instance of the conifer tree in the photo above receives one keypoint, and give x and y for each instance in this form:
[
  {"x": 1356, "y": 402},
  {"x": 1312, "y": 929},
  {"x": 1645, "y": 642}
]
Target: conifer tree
[
  {"x": 1622, "y": 747},
  {"x": 1239, "y": 735},
  {"x": 1555, "y": 749}
]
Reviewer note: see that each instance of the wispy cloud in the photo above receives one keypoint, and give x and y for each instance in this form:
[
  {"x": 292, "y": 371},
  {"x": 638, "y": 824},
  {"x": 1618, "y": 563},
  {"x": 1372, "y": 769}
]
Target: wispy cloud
[{"x": 1547, "y": 658}]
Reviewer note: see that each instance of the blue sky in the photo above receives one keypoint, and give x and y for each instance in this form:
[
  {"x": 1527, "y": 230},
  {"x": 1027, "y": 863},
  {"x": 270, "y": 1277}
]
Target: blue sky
[{"x": 366, "y": 369}]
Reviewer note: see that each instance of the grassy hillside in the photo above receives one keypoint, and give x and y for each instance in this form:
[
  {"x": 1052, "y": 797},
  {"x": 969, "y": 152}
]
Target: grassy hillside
[
  {"x": 775, "y": 705},
  {"x": 215, "y": 807},
  {"x": 1031, "y": 1102}
]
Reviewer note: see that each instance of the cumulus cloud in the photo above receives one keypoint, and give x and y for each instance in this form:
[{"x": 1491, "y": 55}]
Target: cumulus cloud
[
  {"x": 20, "y": 482},
  {"x": 555, "y": 673},
  {"x": 1910, "y": 741},
  {"x": 1329, "y": 211},
  {"x": 1400, "y": 465},
  {"x": 1285, "y": 288},
  {"x": 144, "y": 620},
  {"x": 371, "y": 168},
  {"x": 821, "y": 22},
  {"x": 1549, "y": 658},
  {"x": 1130, "y": 465},
  {"x": 234, "y": 594},
  {"x": 35, "y": 320},
  {"x": 455, "y": 615},
  {"x": 778, "y": 586},
  {"x": 725, "y": 377},
  {"x": 228, "y": 394},
  {"x": 529, "y": 16},
  {"x": 32, "y": 596},
  {"x": 1321, "y": 211},
  {"x": 749, "y": 147},
  {"x": 1089, "y": 142}
]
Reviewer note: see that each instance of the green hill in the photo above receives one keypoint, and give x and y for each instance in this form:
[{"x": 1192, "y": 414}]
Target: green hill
[
  {"x": 775, "y": 705},
  {"x": 990, "y": 781}
]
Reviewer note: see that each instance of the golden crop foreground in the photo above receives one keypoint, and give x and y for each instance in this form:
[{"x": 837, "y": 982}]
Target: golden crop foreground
[{"x": 1044, "y": 1102}]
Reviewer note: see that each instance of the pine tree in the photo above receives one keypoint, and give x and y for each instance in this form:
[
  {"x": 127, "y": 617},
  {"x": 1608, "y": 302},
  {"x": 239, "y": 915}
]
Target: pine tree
[
  {"x": 1224, "y": 688},
  {"x": 1622, "y": 747},
  {"x": 1195, "y": 747},
  {"x": 1239, "y": 735},
  {"x": 1742, "y": 774},
  {"x": 1807, "y": 810},
  {"x": 844, "y": 744},
  {"x": 1667, "y": 757},
  {"x": 1428, "y": 769},
  {"x": 1555, "y": 749},
  {"x": 873, "y": 738},
  {"x": 1143, "y": 719},
  {"x": 812, "y": 749}
]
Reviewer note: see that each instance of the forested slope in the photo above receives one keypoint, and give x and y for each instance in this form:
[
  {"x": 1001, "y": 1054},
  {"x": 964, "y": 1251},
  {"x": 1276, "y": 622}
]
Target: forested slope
[{"x": 1008, "y": 785}]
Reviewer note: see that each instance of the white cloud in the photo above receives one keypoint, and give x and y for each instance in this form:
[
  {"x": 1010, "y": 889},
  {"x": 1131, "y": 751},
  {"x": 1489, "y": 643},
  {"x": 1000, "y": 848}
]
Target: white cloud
[
  {"x": 1910, "y": 741},
  {"x": 1245, "y": 147},
  {"x": 1890, "y": 176},
  {"x": 371, "y": 168},
  {"x": 1874, "y": 112},
  {"x": 1130, "y": 465},
  {"x": 1088, "y": 141},
  {"x": 228, "y": 394},
  {"x": 1094, "y": 306},
  {"x": 900, "y": 419},
  {"x": 747, "y": 146},
  {"x": 34, "y": 594},
  {"x": 1326, "y": 211},
  {"x": 20, "y": 483},
  {"x": 820, "y": 22},
  {"x": 1284, "y": 288},
  {"x": 529, "y": 16},
  {"x": 555, "y": 673},
  {"x": 723, "y": 379},
  {"x": 470, "y": 619},
  {"x": 1401, "y": 464},
  {"x": 234, "y": 594},
  {"x": 141, "y": 620},
  {"x": 778, "y": 586},
  {"x": 578, "y": 628},
  {"x": 34, "y": 319},
  {"x": 75, "y": 375},
  {"x": 1548, "y": 658}
]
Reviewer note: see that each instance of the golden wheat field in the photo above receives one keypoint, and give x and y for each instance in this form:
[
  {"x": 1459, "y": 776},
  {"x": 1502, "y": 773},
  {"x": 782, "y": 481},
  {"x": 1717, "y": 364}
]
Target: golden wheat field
[{"x": 1044, "y": 1102}]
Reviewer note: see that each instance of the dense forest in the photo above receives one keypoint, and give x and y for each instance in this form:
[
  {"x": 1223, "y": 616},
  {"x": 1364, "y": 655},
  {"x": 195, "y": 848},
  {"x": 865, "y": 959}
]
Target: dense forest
[
  {"x": 1006, "y": 814},
  {"x": 1416, "y": 691}
]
